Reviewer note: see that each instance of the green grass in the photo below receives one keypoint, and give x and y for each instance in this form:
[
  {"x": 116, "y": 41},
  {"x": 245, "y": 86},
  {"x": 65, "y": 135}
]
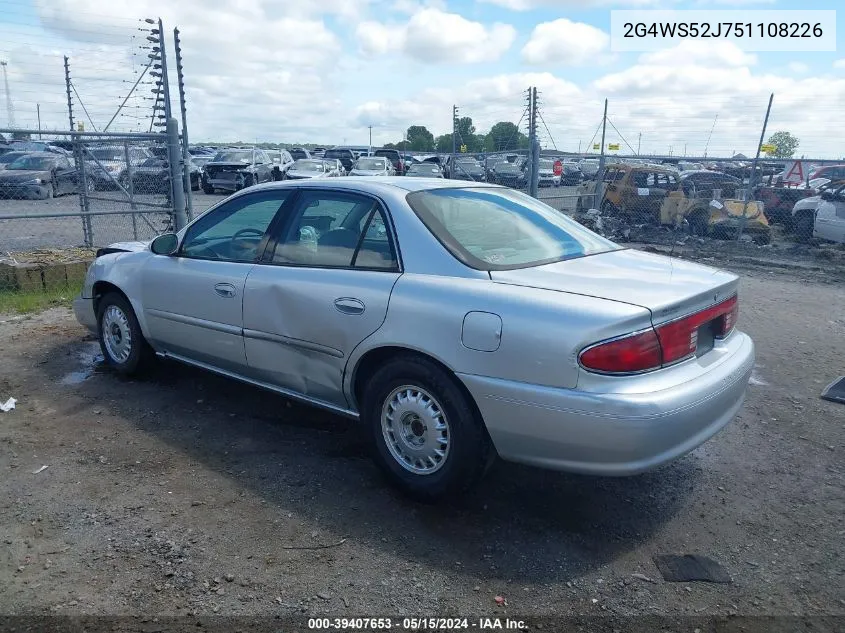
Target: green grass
[{"x": 29, "y": 301}]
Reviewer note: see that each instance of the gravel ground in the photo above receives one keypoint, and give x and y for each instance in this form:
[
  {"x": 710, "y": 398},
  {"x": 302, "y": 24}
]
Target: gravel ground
[{"x": 184, "y": 493}]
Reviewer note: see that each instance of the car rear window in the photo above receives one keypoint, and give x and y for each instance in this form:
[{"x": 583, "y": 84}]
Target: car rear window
[{"x": 502, "y": 229}]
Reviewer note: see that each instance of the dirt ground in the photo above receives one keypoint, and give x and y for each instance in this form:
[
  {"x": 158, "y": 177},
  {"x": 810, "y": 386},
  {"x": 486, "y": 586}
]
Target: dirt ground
[{"x": 184, "y": 493}]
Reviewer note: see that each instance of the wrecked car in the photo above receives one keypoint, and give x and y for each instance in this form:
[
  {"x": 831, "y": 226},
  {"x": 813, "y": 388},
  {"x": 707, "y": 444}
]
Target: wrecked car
[
  {"x": 235, "y": 169},
  {"x": 704, "y": 201}
]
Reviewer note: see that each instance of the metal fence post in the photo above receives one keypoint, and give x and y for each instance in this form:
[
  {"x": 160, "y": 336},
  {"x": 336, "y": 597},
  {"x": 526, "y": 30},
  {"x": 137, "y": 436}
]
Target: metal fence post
[
  {"x": 177, "y": 190},
  {"x": 535, "y": 169},
  {"x": 84, "y": 206},
  {"x": 131, "y": 185}
]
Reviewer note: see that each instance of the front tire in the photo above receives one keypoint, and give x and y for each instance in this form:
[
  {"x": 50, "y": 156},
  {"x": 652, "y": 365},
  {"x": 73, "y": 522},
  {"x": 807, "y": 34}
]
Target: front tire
[
  {"x": 428, "y": 438},
  {"x": 121, "y": 340}
]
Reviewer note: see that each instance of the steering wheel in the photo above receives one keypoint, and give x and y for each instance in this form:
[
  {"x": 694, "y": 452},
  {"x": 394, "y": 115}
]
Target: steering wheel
[
  {"x": 205, "y": 253},
  {"x": 247, "y": 230}
]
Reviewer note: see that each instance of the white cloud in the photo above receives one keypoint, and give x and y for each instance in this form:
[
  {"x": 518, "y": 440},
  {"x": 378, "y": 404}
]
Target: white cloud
[
  {"x": 431, "y": 35},
  {"x": 487, "y": 100},
  {"x": 528, "y": 5},
  {"x": 674, "y": 97},
  {"x": 718, "y": 54},
  {"x": 563, "y": 42},
  {"x": 798, "y": 68},
  {"x": 839, "y": 63}
]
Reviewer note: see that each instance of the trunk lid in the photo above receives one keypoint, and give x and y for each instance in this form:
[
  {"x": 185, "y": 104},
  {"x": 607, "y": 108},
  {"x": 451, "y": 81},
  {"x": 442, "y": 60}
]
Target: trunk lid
[{"x": 669, "y": 288}]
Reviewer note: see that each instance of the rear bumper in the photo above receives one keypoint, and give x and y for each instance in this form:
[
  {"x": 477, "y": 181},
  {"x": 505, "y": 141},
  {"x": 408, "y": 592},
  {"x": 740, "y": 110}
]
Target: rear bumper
[
  {"x": 83, "y": 310},
  {"x": 614, "y": 433}
]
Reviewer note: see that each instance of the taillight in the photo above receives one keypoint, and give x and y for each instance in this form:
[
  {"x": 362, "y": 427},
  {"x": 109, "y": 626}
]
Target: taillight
[
  {"x": 661, "y": 346},
  {"x": 634, "y": 353}
]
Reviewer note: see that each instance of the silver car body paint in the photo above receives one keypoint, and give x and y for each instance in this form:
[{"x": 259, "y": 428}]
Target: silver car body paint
[{"x": 512, "y": 337}]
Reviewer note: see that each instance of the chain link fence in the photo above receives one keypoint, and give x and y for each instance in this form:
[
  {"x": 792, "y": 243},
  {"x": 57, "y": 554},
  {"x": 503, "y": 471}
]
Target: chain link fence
[{"x": 64, "y": 195}]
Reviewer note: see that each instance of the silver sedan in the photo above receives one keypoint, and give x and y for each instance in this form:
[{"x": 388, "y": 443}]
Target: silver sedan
[{"x": 455, "y": 321}]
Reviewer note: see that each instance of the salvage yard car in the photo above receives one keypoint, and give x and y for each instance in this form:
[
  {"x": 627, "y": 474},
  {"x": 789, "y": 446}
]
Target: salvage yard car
[
  {"x": 454, "y": 321},
  {"x": 314, "y": 168},
  {"x": 655, "y": 195},
  {"x": 236, "y": 169},
  {"x": 822, "y": 215},
  {"x": 372, "y": 166},
  {"x": 107, "y": 167},
  {"x": 39, "y": 175},
  {"x": 425, "y": 170}
]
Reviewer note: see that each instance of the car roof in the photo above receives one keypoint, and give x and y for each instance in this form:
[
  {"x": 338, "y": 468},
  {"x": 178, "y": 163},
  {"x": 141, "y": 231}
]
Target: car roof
[{"x": 376, "y": 184}]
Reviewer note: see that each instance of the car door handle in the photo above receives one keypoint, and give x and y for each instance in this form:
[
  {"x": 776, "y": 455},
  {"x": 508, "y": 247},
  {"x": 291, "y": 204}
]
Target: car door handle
[
  {"x": 349, "y": 305},
  {"x": 225, "y": 290}
]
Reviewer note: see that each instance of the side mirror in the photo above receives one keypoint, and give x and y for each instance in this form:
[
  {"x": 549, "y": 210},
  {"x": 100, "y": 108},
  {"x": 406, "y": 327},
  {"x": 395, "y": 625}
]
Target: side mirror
[{"x": 165, "y": 244}]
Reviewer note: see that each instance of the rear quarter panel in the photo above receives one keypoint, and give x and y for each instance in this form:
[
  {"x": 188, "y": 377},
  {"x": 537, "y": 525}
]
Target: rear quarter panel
[{"x": 541, "y": 335}]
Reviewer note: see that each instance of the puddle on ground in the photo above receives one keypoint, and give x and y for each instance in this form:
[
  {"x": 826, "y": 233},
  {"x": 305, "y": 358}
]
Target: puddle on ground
[
  {"x": 757, "y": 379},
  {"x": 89, "y": 361}
]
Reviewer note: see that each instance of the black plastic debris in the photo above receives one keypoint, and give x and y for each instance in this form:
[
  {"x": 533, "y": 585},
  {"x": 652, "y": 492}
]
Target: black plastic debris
[
  {"x": 689, "y": 567},
  {"x": 835, "y": 391}
]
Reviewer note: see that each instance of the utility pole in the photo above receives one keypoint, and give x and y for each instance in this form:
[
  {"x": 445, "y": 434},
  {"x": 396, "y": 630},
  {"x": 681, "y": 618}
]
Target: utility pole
[
  {"x": 752, "y": 180},
  {"x": 38, "y": 114},
  {"x": 603, "y": 132},
  {"x": 180, "y": 76},
  {"x": 165, "y": 84},
  {"x": 639, "y": 142},
  {"x": 370, "y": 127},
  {"x": 69, "y": 101},
  {"x": 10, "y": 110},
  {"x": 454, "y": 140},
  {"x": 533, "y": 144}
]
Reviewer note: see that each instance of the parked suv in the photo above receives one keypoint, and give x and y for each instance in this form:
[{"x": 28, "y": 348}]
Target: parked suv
[
  {"x": 345, "y": 157},
  {"x": 395, "y": 158}
]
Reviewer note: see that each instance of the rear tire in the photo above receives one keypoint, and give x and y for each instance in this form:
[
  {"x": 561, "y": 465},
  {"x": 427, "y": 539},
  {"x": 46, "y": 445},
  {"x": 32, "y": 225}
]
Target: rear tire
[
  {"x": 697, "y": 224},
  {"x": 804, "y": 225},
  {"x": 428, "y": 438},
  {"x": 123, "y": 344},
  {"x": 207, "y": 189}
]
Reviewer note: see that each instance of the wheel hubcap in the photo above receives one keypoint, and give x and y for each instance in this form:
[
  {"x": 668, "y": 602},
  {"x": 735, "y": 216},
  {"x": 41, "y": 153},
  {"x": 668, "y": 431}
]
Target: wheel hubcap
[
  {"x": 117, "y": 335},
  {"x": 415, "y": 430}
]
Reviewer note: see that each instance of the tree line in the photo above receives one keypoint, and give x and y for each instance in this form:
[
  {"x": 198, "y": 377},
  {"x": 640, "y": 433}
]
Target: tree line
[{"x": 503, "y": 136}]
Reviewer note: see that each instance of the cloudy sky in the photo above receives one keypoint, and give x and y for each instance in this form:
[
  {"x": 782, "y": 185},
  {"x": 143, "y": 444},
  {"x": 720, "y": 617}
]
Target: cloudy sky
[{"x": 324, "y": 70}]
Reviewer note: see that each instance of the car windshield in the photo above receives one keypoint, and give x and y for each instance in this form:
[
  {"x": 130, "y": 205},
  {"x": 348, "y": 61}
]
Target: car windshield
[
  {"x": 426, "y": 168},
  {"x": 546, "y": 164},
  {"x": 10, "y": 157},
  {"x": 501, "y": 229},
  {"x": 371, "y": 163},
  {"x": 106, "y": 153},
  {"x": 34, "y": 163},
  {"x": 233, "y": 157},
  {"x": 308, "y": 165}
]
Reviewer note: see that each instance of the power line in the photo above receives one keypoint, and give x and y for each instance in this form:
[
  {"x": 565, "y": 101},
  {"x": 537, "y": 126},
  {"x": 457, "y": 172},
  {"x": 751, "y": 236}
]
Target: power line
[
  {"x": 620, "y": 136},
  {"x": 540, "y": 114}
]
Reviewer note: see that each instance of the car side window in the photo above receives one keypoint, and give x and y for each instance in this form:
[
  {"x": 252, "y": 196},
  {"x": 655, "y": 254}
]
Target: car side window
[
  {"x": 337, "y": 230},
  {"x": 233, "y": 232}
]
